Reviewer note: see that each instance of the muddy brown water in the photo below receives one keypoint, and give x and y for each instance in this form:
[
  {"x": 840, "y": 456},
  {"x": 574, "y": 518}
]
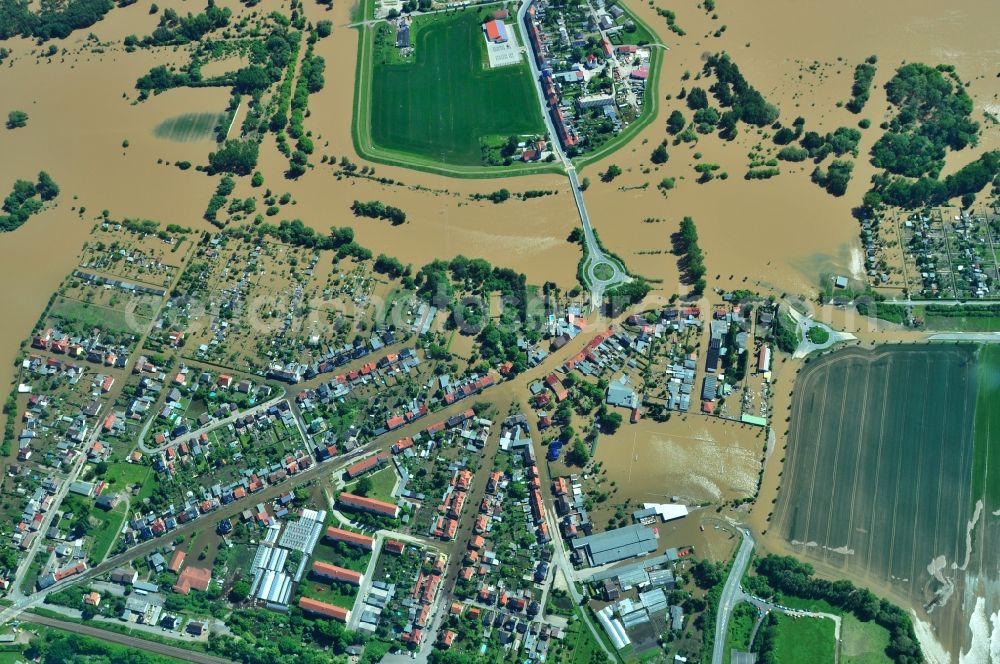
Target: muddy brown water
[{"x": 779, "y": 234}]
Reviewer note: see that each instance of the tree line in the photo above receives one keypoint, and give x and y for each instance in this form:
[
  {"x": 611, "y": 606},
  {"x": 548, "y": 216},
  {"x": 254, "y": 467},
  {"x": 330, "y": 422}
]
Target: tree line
[
  {"x": 176, "y": 29},
  {"x": 788, "y": 576},
  {"x": 378, "y": 210},
  {"x": 55, "y": 21},
  {"x": 692, "y": 261},
  {"x": 965, "y": 183},
  {"x": 864, "y": 74}
]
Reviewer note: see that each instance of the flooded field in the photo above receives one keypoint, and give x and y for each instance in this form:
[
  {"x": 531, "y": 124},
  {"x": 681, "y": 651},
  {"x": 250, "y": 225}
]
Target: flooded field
[
  {"x": 697, "y": 459},
  {"x": 775, "y": 235},
  {"x": 879, "y": 490}
]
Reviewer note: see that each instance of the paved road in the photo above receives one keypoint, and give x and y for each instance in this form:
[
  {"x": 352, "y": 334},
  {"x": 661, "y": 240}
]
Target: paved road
[
  {"x": 943, "y": 303},
  {"x": 980, "y": 337},
  {"x": 594, "y": 254},
  {"x": 732, "y": 595},
  {"x": 805, "y": 323},
  {"x": 130, "y": 641},
  {"x": 374, "y": 21}
]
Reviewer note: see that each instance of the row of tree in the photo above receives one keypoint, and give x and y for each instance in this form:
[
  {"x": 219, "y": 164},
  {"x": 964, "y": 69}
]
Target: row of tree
[
  {"x": 176, "y": 29},
  {"x": 378, "y": 210},
  {"x": 964, "y": 183},
  {"x": 864, "y": 74},
  {"x": 788, "y": 576},
  {"x": 692, "y": 261}
]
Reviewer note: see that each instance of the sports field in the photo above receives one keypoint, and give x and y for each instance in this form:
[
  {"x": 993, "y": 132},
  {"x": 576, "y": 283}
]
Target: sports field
[
  {"x": 441, "y": 105},
  {"x": 878, "y": 477}
]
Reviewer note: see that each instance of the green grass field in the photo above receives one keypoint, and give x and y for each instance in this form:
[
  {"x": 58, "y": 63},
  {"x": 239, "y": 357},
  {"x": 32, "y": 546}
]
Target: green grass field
[
  {"x": 963, "y": 323},
  {"x": 12, "y": 655},
  {"x": 862, "y": 642},
  {"x": 579, "y": 643},
  {"x": 442, "y": 105},
  {"x": 189, "y": 127},
  {"x": 104, "y": 531},
  {"x": 804, "y": 641},
  {"x": 331, "y": 594},
  {"x": 80, "y": 317},
  {"x": 986, "y": 450},
  {"x": 122, "y": 476},
  {"x": 383, "y": 482}
]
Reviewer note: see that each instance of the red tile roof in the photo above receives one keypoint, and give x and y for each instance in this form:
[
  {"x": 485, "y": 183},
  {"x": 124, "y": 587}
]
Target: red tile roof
[
  {"x": 365, "y": 465},
  {"x": 176, "y": 560},
  {"x": 337, "y": 573},
  {"x": 323, "y": 609},
  {"x": 193, "y": 577},
  {"x": 368, "y": 504},
  {"x": 354, "y": 539}
]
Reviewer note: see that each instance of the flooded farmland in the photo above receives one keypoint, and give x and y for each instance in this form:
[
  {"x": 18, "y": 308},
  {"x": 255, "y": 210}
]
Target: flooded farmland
[
  {"x": 877, "y": 484},
  {"x": 777, "y": 235},
  {"x": 695, "y": 459}
]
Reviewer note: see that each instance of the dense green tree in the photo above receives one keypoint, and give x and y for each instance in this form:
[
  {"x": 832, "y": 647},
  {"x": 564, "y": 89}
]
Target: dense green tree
[
  {"x": 608, "y": 420},
  {"x": 676, "y": 122},
  {"x": 16, "y": 119},
  {"x": 578, "y": 454},
  {"x": 611, "y": 173},
  {"x": 731, "y": 89},
  {"x": 659, "y": 155},
  {"x": 834, "y": 179},
  {"x": 236, "y": 156},
  {"x": 697, "y": 99},
  {"x": 46, "y": 187},
  {"x": 364, "y": 486},
  {"x": 784, "y": 136}
]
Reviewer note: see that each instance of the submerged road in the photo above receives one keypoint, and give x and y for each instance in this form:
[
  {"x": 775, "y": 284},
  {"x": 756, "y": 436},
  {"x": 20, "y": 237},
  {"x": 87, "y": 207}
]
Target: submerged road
[{"x": 595, "y": 256}]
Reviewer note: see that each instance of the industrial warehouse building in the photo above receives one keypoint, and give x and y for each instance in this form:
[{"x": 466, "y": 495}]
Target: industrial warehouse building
[{"x": 619, "y": 544}]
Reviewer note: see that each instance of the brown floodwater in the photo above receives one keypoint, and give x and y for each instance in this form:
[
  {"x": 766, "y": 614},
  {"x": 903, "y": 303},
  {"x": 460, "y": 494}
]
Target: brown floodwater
[
  {"x": 778, "y": 234},
  {"x": 695, "y": 458}
]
